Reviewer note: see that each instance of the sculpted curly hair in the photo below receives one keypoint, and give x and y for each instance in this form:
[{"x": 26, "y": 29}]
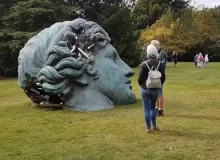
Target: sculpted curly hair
[{"x": 49, "y": 57}]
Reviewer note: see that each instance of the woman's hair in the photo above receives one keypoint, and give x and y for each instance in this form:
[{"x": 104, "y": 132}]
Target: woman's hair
[
  {"x": 156, "y": 43},
  {"x": 152, "y": 51}
]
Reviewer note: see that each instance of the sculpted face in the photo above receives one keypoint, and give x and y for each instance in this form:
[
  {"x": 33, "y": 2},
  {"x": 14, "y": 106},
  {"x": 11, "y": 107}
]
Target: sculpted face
[
  {"x": 76, "y": 61},
  {"x": 114, "y": 76}
]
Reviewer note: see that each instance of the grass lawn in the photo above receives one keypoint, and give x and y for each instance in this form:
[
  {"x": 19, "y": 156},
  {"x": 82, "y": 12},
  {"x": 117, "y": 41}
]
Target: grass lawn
[{"x": 190, "y": 128}]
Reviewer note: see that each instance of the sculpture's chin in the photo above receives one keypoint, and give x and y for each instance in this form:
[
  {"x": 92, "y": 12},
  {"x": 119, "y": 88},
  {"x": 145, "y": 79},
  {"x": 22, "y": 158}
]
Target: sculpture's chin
[
  {"x": 128, "y": 98},
  {"x": 89, "y": 100},
  {"x": 87, "y": 108},
  {"x": 132, "y": 98}
]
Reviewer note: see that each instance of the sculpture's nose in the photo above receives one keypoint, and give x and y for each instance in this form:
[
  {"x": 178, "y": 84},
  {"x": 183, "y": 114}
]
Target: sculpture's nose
[{"x": 127, "y": 71}]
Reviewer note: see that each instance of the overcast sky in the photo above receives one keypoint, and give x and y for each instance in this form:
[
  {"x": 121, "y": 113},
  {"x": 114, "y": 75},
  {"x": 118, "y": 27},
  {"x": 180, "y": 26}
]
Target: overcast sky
[{"x": 207, "y": 3}]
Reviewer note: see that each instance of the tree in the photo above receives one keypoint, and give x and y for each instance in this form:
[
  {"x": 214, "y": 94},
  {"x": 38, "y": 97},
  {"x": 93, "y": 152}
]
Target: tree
[
  {"x": 115, "y": 16},
  {"x": 121, "y": 30},
  {"x": 193, "y": 32},
  {"x": 22, "y": 19},
  {"x": 146, "y": 12}
]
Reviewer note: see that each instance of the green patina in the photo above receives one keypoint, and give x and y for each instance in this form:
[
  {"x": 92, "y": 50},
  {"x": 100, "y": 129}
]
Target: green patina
[{"x": 74, "y": 61}]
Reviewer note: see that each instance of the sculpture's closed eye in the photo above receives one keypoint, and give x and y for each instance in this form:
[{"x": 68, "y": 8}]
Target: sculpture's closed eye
[{"x": 109, "y": 55}]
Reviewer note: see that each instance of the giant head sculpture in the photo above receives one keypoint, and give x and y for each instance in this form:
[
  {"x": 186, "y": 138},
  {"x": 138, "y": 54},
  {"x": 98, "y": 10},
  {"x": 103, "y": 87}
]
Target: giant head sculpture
[{"x": 74, "y": 62}]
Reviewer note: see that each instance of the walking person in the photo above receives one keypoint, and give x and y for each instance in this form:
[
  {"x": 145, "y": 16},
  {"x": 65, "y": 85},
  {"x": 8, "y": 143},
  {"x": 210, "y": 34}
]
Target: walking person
[
  {"x": 200, "y": 60},
  {"x": 206, "y": 60},
  {"x": 174, "y": 60},
  {"x": 163, "y": 59},
  {"x": 196, "y": 60},
  {"x": 150, "y": 94}
]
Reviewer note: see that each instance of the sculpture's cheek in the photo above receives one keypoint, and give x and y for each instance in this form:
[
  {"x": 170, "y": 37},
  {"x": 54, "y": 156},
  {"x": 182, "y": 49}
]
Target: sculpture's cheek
[{"x": 112, "y": 82}]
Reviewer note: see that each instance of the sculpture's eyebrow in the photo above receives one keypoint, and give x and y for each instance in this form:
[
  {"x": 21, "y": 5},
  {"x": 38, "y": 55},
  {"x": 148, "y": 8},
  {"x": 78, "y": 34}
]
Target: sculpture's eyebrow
[
  {"x": 112, "y": 52},
  {"x": 108, "y": 54}
]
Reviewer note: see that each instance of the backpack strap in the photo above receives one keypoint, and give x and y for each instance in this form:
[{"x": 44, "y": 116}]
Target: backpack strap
[
  {"x": 152, "y": 66},
  {"x": 158, "y": 65},
  {"x": 147, "y": 65}
]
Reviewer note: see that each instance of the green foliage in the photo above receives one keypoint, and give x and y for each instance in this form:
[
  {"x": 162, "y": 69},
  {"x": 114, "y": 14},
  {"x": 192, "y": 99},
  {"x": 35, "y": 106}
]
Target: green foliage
[
  {"x": 121, "y": 31},
  {"x": 22, "y": 19},
  {"x": 146, "y": 12},
  {"x": 117, "y": 19},
  {"x": 192, "y": 32},
  {"x": 11, "y": 43},
  {"x": 36, "y": 14}
]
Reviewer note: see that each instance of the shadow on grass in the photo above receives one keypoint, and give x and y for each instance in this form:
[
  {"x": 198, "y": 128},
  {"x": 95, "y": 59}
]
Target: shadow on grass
[
  {"x": 190, "y": 134},
  {"x": 49, "y": 107},
  {"x": 196, "y": 117}
]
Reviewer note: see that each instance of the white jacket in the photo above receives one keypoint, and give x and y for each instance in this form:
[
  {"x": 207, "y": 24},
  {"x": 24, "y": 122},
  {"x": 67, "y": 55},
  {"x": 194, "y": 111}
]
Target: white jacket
[{"x": 206, "y": 58}]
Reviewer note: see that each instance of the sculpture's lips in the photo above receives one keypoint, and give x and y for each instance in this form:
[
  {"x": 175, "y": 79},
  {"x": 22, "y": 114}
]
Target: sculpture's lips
[{"x": 129, "y": 83}]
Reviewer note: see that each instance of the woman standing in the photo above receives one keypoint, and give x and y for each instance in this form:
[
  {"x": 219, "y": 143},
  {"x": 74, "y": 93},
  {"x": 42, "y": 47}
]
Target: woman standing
[
  {"x": 174, "y": 60},
  {"x": 200, "y": 60},
  {"x": 149, "y": 96},
  {"x": 206, "y": 60}
]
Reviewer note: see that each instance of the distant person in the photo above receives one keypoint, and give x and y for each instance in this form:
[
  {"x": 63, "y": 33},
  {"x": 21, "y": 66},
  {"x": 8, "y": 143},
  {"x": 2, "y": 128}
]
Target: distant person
[
  {"x": 206, "y": 60},
  {"x": 196, "y": 60},
  {"x": 143, "y": 56},
  {"x": 163, "y": 59},
  {"x": 174, "y": 60},
  {"x": 149, "y": 95},
  {"x": 200, "y": 60}
]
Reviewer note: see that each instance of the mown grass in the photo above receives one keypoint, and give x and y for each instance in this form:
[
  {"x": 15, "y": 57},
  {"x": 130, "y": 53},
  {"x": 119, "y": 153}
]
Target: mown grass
[{"x": 190, "y": 128}]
